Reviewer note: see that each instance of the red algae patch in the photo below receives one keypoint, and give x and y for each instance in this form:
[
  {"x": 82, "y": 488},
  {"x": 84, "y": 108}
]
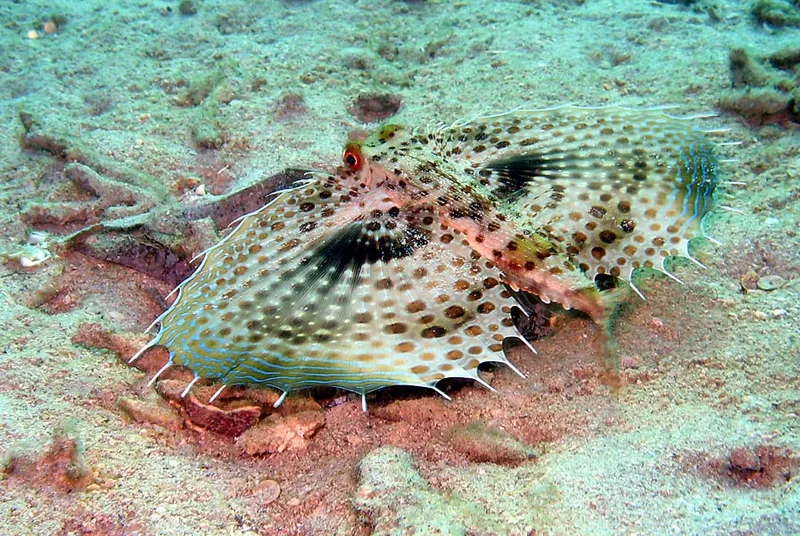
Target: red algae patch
[
  {"x": 61, "y": 466},
  {"x": 758, "y": 467}
]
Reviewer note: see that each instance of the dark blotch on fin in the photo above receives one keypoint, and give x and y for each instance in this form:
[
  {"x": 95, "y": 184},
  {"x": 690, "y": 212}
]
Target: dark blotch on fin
[
  {"x": 605, "y": 282},
  {"x": 361, "y": 243},
  {"x": 514, "y": 172}
]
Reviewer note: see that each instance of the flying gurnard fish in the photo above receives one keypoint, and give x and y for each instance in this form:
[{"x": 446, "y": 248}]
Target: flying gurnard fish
[{"x": 404, "y": 265}]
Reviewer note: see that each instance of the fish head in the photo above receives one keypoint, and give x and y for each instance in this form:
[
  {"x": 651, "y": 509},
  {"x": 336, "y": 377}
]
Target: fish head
[{"x": 396, "y": 157}]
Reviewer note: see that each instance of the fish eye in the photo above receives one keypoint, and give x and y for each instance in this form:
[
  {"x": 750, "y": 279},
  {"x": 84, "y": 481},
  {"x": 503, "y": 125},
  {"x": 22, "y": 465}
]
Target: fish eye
[{"x": 352, "y": 157}]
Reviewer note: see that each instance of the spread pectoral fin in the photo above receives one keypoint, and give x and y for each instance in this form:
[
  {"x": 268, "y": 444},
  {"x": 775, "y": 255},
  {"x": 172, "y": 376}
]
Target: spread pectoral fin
[{"x": 380, "y": 298}]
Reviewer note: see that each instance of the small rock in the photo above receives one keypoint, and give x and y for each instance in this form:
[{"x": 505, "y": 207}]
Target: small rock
[
  {"x": 482, "y": 443},
  {"x": 277, "y": 434},
  {"x": 742, "y": 459},
  {"x": 153, "y": 411},
  {"x": 266, "y": 492},
  {"x": 749, "y": 281},
  {"x": 372, "y": 107},
  {"x": 229, "y": 422},
  {"x": 771, "y": 282},
  {"x": 187, "y": 7}
]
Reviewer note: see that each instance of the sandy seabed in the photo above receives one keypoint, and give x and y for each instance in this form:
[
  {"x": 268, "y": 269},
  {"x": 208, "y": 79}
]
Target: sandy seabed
[{"x": 702, "y": 438}]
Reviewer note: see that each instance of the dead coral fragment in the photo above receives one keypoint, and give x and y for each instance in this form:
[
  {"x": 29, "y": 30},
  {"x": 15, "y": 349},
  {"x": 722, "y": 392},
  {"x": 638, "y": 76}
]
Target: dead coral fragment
[
  {"x": 61, "y": 466},
  {"x": 277, "y": 434},
  {"x": 152, "y": 411},
  {"x": 115, "y": 199},
  {"x": 231, "y": 420},
  {"x": 93, "y": 335}
]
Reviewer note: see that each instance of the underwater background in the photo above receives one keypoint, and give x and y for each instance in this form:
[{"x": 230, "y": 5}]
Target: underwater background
[{"x": 135, "y": 132}]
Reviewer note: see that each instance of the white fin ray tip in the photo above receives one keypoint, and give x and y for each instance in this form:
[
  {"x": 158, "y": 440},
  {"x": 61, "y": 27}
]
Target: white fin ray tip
[{"x": 161, "y": 371}]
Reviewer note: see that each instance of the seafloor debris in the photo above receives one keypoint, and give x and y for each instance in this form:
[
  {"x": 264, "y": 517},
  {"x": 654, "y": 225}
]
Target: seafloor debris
[
  {"x": 229, "y": 419},
  {"x": 777, "y": 13},
  {"x": 187, "y": 7},
  {"x": 279, "y": 433},
  {"x": 85, "y": 522},
  {"x": 759, "y": 466},
  {"x": 118, "y": 214},
  {"x": 93, "y": 335},
  {"x": 151, "y": 410},
  {"x": 771, "y": 282},
  {"x": 751, "y": 280},
  {"x": 114, "y": 199},
  {"x": 482, "y": 443},
  {"x": 33, "y": 252},
  {"x": 290, "y": 105},
  {"x": 373, "y": 107},
  {"x": 398, "y": 500},
  {"x": 764, "y": 88},
  {"x": 62, "y": 466},
  {"x": 266, "y": 492},
  {"x": 235, "y": 411}
]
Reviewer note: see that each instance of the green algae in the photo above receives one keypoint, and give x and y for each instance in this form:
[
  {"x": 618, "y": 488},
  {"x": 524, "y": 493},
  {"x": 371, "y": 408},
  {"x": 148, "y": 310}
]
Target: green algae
[{"x": 777, "y": 13}]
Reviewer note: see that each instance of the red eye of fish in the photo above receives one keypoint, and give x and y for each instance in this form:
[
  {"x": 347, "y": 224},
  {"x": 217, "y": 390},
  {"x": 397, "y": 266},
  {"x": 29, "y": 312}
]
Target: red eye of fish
[{"x": 353, "y": 157}]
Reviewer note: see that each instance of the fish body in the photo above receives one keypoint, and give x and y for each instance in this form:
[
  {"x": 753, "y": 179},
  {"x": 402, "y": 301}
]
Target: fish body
[{"x": 403, "y": 267}]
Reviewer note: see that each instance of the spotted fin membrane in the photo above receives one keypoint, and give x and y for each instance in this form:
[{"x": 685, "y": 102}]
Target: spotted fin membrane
[
  {"x": 571, "y": 192},
  {"x": 402, "y": 267},
  {"x": 333, "y": 284},
  {"x": 617, "y": 189}
]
